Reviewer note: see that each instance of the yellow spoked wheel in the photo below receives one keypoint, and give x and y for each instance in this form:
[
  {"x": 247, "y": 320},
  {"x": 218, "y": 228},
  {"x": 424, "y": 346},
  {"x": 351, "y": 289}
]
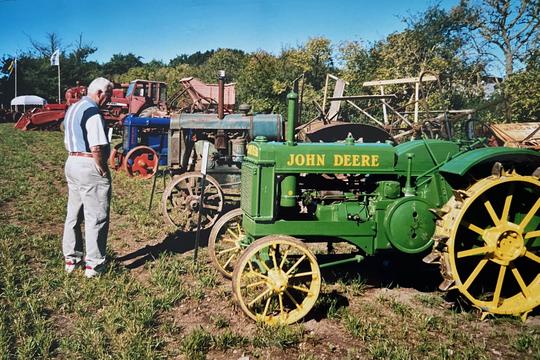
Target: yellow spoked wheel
[
  {"x": 277, "y": 280},
  {"x": 226, "y": 241},
  {"x": 493, "y": 244}
]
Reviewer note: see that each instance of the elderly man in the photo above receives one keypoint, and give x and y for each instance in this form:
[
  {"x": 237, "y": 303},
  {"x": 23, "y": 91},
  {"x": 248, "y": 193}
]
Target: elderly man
[{"x": 89, "y": 181}]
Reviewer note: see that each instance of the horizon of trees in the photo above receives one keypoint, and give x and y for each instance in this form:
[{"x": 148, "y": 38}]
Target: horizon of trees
[{"x": 461, "y": 44}]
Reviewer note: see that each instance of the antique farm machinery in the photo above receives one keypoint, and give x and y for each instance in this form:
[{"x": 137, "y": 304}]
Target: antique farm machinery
[
  {"x": 476, "y": 208},
  {"x": 228, "y": 136},
  {"x": 144, "y": 145},
  {"x": 50, "y": 116}
]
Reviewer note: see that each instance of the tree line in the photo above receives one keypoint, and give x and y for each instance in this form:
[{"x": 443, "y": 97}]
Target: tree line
[{"x": 463, "y": 45}]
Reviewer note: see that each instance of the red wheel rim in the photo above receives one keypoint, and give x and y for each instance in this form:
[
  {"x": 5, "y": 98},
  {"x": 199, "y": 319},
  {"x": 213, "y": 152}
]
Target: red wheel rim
[{"x": 141, "y": 162}]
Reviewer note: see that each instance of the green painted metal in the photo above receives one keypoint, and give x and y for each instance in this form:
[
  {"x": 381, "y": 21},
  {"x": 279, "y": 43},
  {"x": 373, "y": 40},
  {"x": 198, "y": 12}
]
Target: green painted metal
[
  {"x": 461, "y": 164},
  {"x": 378, "y": 197},
  {"x": 409, "y": 224},
  {"x": 356, "y": 258}
]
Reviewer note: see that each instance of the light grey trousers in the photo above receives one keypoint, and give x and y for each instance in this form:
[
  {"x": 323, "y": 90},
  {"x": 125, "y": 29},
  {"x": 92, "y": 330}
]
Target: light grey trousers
[{"x": 89, "y": 199}]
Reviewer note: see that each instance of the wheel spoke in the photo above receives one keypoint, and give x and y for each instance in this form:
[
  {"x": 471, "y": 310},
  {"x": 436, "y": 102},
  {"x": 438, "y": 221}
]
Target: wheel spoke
[
  {"x": 228, "y": 260},
  {"x": 211, "y": 207},
  {"x": 529, "y": 215},
  {"x": 281, "y": 308},
  {"x": 257, "y": 273},
  {"x": 532, "y": 256},
  {"x": 296, "y": 264},
  {"x": 474, "y": 251},
  {"x": 233, "y": 234},
  {"x": 226, "y": 250},
  {"x": 474, "y": 228},
  {"x": 532, "y": 234},
  {"x": 292, "y": 299},
  {"x": 299, "y": 288},
  {"x": 520, "y": 281},
  {"x": 266, "y": 307},
  {"x": 491, "y": 212},
  {"x": 257, "y": 283},
  {"x": 212, "y": 197},
  {"x": 263, "y": 263},
  {"x": 309, "y": 273},
  {"x": 190, "y": 190},
  {"x": 506, "y": 209},
  {"x": 498, "y": 287},
  {"x": 284, "y": 258},
  {"x": 475, "y": 273},
  {"x": 261, "y": 295},
  {"x": 273, "y": 255}
]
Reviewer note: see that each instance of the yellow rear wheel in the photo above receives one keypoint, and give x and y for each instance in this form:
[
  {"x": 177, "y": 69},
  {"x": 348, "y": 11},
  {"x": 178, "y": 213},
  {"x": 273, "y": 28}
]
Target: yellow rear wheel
[
  {"x": 492, "y": 249},
  {"x": 277, "y": 280}
]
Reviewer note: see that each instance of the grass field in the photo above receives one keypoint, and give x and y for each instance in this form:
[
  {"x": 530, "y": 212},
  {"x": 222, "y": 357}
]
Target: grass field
[{"x": 153, "y": 303}]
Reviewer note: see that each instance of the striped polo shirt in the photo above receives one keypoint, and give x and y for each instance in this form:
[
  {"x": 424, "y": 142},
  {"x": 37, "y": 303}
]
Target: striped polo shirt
[{"x": 84, "y": 126}]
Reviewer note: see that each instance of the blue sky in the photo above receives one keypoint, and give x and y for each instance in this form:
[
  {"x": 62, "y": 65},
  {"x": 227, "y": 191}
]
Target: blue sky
[{"x": 160, "y": 29}]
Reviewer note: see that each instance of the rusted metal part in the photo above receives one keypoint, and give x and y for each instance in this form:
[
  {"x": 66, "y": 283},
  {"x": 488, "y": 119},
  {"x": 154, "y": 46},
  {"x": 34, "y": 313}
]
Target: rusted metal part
[
  {"x": 522, "y": 135},
  {"x": 221, "y": 95},
  {"x": 204, "y": 96}
]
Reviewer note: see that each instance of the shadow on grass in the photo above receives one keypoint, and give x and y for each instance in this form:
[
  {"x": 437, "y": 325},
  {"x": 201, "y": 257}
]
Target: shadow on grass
[
  {"x": 385, "y": 270},
  {"x": 178, "y": 242}
]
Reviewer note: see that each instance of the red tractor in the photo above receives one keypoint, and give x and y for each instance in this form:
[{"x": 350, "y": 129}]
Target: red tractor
[
  {"x": 50, "y": 116},
  {"x": 139, "y": 97},
  {"x": 143, "y": 98}
]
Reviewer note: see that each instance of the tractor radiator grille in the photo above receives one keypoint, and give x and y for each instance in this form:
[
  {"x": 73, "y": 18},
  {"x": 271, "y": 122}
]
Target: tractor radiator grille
[{"x": 249, "y": 194}]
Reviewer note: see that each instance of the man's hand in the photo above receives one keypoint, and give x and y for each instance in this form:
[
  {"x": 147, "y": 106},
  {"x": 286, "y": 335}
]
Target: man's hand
[{"x": 99, "y": 158}]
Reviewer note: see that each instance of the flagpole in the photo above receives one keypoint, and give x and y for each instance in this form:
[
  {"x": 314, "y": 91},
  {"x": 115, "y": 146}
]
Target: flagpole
[
  {"x": 16, "y": 77},
  {"x": 59, "y": 100}
]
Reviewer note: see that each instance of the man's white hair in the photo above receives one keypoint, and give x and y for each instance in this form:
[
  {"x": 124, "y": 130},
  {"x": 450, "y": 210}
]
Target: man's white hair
[{"x": 99, "y": 84}]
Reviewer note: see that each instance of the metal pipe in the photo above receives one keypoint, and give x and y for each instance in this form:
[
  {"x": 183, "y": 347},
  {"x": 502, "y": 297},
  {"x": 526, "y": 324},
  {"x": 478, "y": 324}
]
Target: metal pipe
[
  {"x": 356, "y": 258},
  {"x": 292, "y": 98},
  {"x": 409, "y": 190},
  {"x": 221, "y": 94},
  {"x": 289, "y": 182}
]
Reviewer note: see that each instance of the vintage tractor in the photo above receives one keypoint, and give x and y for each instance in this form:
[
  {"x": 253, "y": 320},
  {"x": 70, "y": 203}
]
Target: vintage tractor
[
  {"x": 228, "y": 136},
  {"x": 143, "y": 148},
  {"x": 144, "y": 143},
  {"x": 472, "y": 209}
]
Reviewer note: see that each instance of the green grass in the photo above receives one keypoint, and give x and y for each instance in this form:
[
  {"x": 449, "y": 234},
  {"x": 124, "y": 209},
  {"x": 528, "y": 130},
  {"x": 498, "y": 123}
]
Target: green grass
[{"x": 169, "y": 308}]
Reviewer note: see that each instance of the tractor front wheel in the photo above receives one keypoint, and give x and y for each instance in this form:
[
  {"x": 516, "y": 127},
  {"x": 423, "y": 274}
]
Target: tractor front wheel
[
  {"x": 226, "y": 242},
  {"x": 276, "y": 280}
]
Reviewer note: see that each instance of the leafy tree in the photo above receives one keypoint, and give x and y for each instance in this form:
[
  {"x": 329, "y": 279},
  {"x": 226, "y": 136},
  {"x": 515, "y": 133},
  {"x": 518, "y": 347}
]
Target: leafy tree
[
  {"x": 230, "y": 60},
  {"x": 195, "y": 59},
  {"x": 523, "y": 91},
  {"x": 510, "y": 26},
  {"x": 120, "y": 64}
]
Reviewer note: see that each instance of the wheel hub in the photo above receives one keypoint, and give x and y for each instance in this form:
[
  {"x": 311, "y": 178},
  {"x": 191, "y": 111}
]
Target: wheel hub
[
  {"x": 506, "y": 242},
  {"x": 142, "y": 163},
  {"x": 278, "y": 280},
  {"x": 510, "y": 246},
  {"x": 194, "y": 204}
]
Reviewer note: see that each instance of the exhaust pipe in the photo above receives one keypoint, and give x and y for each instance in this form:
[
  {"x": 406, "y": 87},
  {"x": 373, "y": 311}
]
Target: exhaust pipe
[{"x": 221, "y": 94}]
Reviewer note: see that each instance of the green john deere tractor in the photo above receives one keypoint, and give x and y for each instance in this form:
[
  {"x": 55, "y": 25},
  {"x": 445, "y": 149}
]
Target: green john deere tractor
[{"x": 472, "y": 209}]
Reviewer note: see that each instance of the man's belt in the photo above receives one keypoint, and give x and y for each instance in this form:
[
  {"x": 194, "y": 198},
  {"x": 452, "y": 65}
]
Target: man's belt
[{"x": 82, "y": 154}]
